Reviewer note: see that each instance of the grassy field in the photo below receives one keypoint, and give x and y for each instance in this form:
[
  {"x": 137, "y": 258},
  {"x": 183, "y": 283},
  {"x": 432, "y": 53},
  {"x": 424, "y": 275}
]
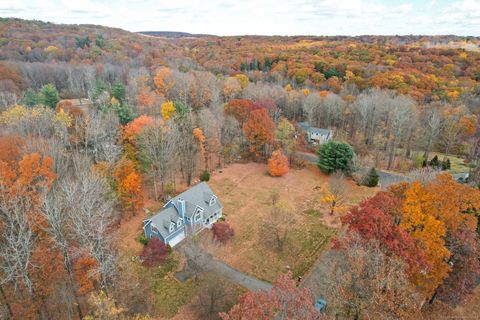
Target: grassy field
[
  {"x": 458, "y": 164},
  {"x": 245, "y": 190}
]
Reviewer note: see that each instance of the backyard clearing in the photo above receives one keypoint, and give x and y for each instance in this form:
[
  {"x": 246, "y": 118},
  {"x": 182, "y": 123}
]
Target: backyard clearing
[{"x": 245, "y": 190}]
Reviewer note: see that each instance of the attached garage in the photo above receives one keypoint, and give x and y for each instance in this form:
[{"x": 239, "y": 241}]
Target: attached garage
[{"x": 173, "y": 241}]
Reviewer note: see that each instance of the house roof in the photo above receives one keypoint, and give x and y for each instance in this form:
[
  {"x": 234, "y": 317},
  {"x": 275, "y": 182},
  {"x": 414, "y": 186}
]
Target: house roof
[
  {"x": 320, "y": 131},
  {"x": 163, "y": 219},
  {"x": 306, "y": 126},
  {"x": 198, "y": 195}
]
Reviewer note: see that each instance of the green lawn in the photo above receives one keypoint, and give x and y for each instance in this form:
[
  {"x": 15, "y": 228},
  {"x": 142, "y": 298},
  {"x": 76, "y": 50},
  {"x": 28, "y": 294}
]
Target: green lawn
[{"x": 169, "y": 293}]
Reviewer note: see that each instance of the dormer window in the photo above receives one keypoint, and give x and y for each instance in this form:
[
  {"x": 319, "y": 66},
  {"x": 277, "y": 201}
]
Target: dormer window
[
  {"x": 197, "y": 216},
  {"x": 154, "y": 229},
  {"x": 212, "y": 201},
  {"x": 179, "y": 222},
  {"x": 172, "y": 227}
]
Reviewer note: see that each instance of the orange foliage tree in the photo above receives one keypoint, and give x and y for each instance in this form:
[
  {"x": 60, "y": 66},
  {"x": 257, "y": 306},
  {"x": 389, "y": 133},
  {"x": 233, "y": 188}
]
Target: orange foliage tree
[
  {"x": 129, "y": 185},
  {"x": 259, "y": 130},
  {"x": 277, "y": 164}
]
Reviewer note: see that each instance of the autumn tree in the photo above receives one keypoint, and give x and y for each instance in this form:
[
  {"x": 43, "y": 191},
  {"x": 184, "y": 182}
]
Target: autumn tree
[
  {"x": 334, "y": 193},
  {"x": 418, "y": 219},
  {"x": 239, "y": 109},
  {"x": 154, "y": 253},
  {"x": 168, "y": 110},
  {"x": 222, "y": 231},
  {"x": 129, "y": 185},
  {"x": 285, "y": 136},
  {"x": 284, "y": 301},
  {"x": 277, "y": 164},
  {"x": 22, "y": 187},
  {"x": 377, "y": 219},
  {"x": 134, "y": 128},
  {"x": 259, "y": 131},
  {"x": 162, "y": 81}
]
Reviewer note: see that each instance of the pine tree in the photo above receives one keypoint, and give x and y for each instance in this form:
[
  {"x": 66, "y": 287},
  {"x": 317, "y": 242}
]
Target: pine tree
[
  {"x": 371, "y": 180},
  {"x": 333, "y": 156},
  {"x": 49, "y": 96}
]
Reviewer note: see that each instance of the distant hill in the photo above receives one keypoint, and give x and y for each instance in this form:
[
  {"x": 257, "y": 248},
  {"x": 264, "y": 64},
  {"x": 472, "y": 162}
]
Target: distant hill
[{"x": 174, "y": 34}]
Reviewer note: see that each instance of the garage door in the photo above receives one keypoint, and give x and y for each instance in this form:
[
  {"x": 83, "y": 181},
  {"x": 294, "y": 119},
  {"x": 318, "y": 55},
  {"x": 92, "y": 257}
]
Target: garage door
[{"x": 174, "y": 241}]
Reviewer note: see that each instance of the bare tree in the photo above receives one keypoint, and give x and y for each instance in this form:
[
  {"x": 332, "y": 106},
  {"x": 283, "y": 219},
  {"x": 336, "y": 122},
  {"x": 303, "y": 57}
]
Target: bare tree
[
  {"x": 55, "y": 210},
  {"x": 91, "y": 213},
  {"x": 17, "y": 243},
  {"x": 187, "y": 146},
  {"x": 100, "y": 133},
  {"x": 403, "y": 114},
  {"x": 335, "y": 195},
  {"x": 361, "y": 282},
  {"x": 215, "y": 297},
  {"x": 432, "y": 128},
  {"x": 276, "y": 227},
  {"x": 157, "y": 151}
]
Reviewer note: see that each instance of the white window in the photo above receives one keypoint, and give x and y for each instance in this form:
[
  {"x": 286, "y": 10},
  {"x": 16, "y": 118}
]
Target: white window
[
  {"x": 179, "y": 222},
  {"x": 172, "y": 227}
]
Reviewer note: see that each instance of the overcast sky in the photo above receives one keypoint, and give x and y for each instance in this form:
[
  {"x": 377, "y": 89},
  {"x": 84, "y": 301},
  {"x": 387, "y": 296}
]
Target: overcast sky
[{"x": 265, "y": 17}]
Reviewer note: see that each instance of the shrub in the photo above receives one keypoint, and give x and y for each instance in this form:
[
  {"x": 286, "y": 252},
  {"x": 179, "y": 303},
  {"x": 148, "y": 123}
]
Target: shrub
[
  {"x": 154, "y": 253},
  {"x": 222, "y": 231},
  {"x": 205, "y": 176},
  {"x": 334, "y": 156},
  {"x": 446, "y": 165},
  {"x": 371, "y": 179},
  {"x": 143, "y": 239}
]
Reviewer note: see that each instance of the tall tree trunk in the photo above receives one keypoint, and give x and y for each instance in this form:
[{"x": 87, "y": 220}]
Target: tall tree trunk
[
  {"x": 68, "y": 266},
  {"x": 7, "y": 303}
]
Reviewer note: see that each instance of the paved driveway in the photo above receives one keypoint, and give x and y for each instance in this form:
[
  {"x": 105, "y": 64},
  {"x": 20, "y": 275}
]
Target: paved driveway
[{"x": 201, "y": 260}]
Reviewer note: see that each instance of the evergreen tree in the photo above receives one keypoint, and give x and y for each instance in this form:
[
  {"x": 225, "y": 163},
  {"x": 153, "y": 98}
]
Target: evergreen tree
[
  {"x": 435, "y": 163},
  {"x": 446, "y": 165},
  {"x": 333, "y": 156},
  {"x": 49, "y": 96},
  {"x": 31, "y": 98},
  {"x": 118, "y": 91},
  {"x": 125, "y": 112},
  {"x": 371, "y": 180}
]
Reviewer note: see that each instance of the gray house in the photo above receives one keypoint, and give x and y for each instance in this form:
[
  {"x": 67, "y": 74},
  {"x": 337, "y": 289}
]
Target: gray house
[
  {"x": 316, "y": 135},
  {"x": 188, "y": 213}
]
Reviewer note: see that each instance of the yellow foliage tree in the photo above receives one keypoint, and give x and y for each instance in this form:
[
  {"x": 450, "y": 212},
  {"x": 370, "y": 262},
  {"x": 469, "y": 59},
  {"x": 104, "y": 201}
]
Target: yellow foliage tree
[
  {"x": 242, "y": 79},
  {"x": 167, "y": 110}
]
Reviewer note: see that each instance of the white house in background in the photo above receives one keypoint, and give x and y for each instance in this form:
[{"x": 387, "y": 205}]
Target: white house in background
[
  {"x": 188, "y": 213},
  {"x": 316, "y": 135}
]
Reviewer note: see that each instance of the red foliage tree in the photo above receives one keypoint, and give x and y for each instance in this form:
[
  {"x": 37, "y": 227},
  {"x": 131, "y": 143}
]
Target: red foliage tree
[
  {"x": 222, "y": 231},
  {"x": 284, "y": 301},
  {"x": 374, "y": 219},
  {"x": 154, "y": 253},
  {"x": 239, "y": 109}
]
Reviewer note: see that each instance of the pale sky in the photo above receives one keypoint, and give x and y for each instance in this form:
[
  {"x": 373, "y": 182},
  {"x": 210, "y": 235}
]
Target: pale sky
[{"x": 263, "y": 17}]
